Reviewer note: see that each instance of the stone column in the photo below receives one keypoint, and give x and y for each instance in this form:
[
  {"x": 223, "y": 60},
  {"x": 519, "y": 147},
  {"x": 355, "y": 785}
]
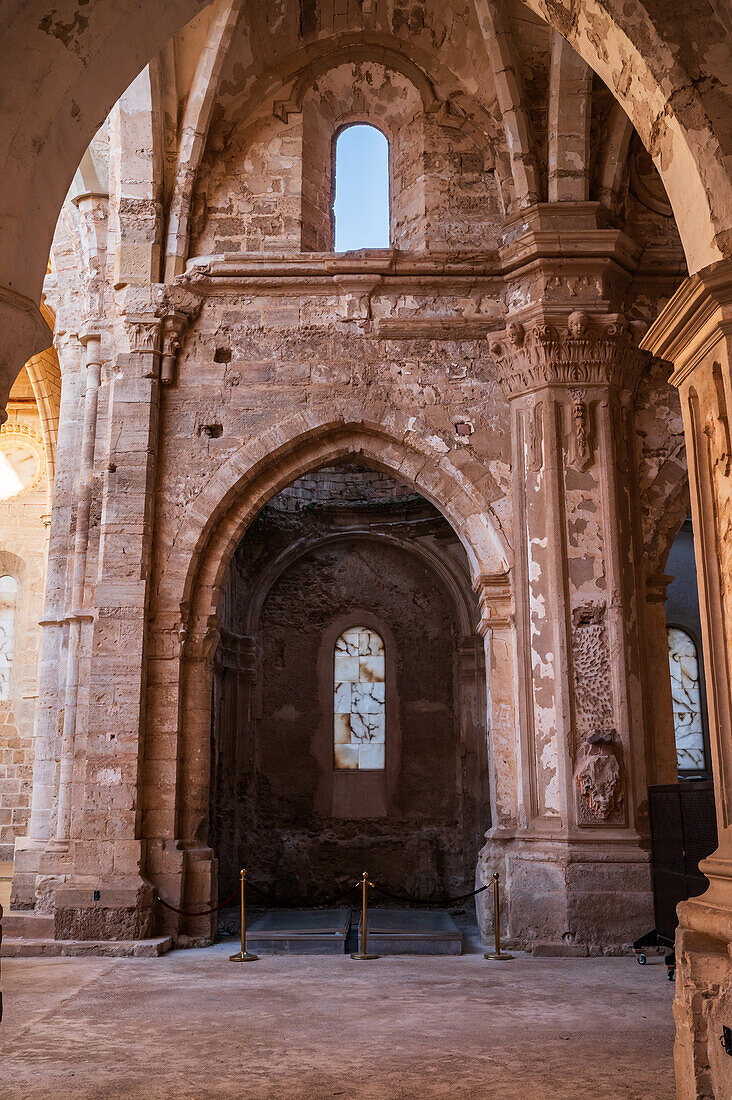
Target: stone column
[
  {"x": 30, "y": 860},
  {"x": 505, "y": 761},
  {"x": 572, "y": 848},
  {"x": 77, "y": 614},
  {"x": 662, "y": 764},
  {"x": 105, "y": 896},
  {"x": 694, "y": 332}
]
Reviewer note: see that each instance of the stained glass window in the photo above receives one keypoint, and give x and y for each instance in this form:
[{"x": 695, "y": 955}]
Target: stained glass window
[
  {"x": 686, "y": 694},
  {"x": 359, "y": 703},
  {"x": 8, "y": 601}
]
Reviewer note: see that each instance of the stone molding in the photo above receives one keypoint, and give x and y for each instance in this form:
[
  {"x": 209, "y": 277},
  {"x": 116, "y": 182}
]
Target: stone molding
[
  {"x": 656, "y": 585},
  {"x": 698, "y": 316},
  {"x": 495, "y": 598},
  {"x": 589, "y": 351}
]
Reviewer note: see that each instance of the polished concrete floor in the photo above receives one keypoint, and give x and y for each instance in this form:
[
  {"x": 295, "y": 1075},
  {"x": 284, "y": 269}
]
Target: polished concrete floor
[{"x": 192, "y": 1025}]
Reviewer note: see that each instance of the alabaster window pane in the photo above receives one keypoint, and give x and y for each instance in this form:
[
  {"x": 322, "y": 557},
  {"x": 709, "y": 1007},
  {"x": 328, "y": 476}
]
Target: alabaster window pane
[
  {"x": 8, "y": 600},
  {"x": 346, "y": 668},
  {"x": 371, "y": 669},
  {"x": 371, "y": 757},
  {"x": 342, "y": 729},
  {"x": 346, "y": 756},
  {"x": 6, "y": 653},
  {"x": 342, "y": 698},
  {"x": 359, "y": 702},
  {"x": 686, "y": 695}
]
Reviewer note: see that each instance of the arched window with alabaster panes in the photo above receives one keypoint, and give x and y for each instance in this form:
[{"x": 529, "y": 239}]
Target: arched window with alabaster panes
[
  {"x": 686, "y": 694},
  {"x": 359, "y": 700}
]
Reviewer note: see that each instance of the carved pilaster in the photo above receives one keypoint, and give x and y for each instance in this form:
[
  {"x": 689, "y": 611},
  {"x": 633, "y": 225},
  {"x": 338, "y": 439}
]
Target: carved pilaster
[
  {"x": 694, "y": 332},
  {"x": 570, "y": 378}
]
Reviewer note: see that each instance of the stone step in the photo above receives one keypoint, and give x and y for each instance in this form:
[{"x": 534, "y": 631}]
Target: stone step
[
  {"x": 411, "y": 932},
  {"x": 300, "y": 932},
  {"x": 18, "y": 947},
  {"x": 21, "y": 924}
]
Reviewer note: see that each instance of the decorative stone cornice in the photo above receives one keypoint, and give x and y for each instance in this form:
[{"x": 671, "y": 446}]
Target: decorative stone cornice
[
  {"x": 587, "y": 352},
  {"x": 656, "y": 585},
  {"x": 495, "y": 598},
  {"x": 696, "y": 319}
]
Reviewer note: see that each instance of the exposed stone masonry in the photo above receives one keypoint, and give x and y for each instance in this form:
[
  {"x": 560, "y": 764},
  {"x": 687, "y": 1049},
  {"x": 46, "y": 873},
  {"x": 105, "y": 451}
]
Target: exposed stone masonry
[{"x": 214, "y": 351}]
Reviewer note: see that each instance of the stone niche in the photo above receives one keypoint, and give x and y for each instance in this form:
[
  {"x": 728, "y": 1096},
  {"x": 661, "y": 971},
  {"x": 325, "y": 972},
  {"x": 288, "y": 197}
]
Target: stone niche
[{"x": 340, "y": 550}]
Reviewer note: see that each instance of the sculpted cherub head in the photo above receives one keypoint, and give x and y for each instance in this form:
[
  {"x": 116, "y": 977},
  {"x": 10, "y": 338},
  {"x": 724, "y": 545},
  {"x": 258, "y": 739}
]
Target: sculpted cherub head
[{"x": 578, "y": 322}]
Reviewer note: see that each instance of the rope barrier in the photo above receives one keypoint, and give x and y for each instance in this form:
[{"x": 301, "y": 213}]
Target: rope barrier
[
  {"x": 273, "y": 903},
  {"x": 431, "y": 901},
  {"x": 194, "y": 912}
]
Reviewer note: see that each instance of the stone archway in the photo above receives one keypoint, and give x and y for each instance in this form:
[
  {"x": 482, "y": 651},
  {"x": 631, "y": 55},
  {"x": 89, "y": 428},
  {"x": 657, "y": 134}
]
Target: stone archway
[{"x": 185, "y": 624}]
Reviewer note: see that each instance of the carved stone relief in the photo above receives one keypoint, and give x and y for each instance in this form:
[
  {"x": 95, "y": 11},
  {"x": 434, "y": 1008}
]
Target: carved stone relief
[{"x": 599, "y": 779}]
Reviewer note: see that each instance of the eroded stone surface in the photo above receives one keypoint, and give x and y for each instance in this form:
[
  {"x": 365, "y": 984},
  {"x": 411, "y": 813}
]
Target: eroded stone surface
[{"x": 214, "y": 350}]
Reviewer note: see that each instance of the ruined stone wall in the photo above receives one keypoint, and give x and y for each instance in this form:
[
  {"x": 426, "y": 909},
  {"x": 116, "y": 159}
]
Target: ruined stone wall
[
  {"x": 346, "y": 485},
  {"x": 253, "y": 200}
]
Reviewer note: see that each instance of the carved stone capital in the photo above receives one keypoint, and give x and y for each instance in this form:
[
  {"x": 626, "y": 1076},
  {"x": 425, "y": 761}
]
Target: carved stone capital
[
  {"x": 199, "y": 642},
  {"x": 142, "y": 333},
  {"x": 495, "y": 598},
  {"x": 582, "y": 351},
  {"x": 155, "y": 319},
  {"x": 656, "y": 586}
]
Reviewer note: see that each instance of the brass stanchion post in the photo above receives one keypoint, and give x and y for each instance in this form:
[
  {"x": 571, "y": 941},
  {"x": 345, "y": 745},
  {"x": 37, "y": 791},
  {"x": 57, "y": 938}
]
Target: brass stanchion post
[
  {"x": 497, "y": 955},
  {"x": 363, "y": 954},
  {"x": 243, "y": 956}
]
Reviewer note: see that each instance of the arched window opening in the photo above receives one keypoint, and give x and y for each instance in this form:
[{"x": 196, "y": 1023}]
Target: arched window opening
[
  {"x": 359, "y": 700},
  {"x": 687, "y": 701},
  {"x": 8, "y": 602},
  {"x": 361, "y": 193}
]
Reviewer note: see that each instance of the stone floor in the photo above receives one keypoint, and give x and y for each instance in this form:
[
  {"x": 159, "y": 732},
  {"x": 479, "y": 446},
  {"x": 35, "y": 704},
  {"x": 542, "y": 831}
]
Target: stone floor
[{"x": 191, "y": 1025}]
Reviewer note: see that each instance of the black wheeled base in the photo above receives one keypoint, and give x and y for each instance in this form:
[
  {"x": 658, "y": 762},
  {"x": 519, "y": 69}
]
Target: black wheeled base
[{"x": 655, "y": 939}]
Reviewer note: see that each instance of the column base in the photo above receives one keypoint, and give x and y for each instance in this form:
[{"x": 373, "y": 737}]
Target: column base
[
  {"x": 703, "y": 1002},
  {"x": 702, "y": 1007},
  {"x": 37, "y": 873},
  {"x": 567, "y": 897},
  {"x": 186, "y": 876},
  {"x": 120, "y": 911}
]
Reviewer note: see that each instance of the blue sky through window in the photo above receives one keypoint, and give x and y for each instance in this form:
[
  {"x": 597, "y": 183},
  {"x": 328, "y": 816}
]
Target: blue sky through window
[{"x": 361, "y": 189}]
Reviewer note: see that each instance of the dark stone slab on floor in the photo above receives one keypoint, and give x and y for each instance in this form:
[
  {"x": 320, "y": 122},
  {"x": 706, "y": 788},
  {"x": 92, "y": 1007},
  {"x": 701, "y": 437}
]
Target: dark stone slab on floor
[
  {"x": 300, "y": 932},
  {"x": 412, "y": 932}
]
